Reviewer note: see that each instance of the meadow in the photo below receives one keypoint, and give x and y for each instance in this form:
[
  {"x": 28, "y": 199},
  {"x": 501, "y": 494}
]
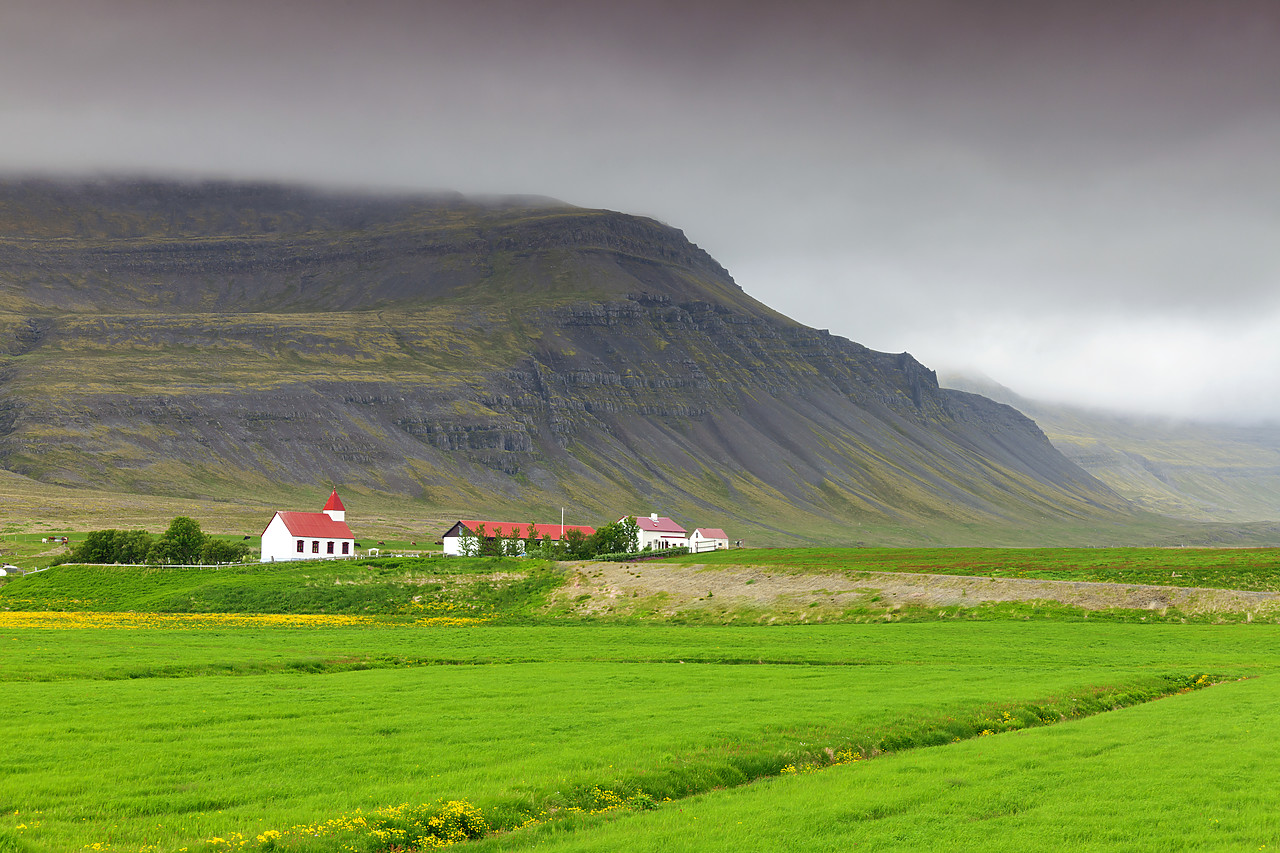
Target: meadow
[
  {"x": 1218, "y": 568},
  {"x": 128, "y": 729},
  {"x": 411, "y": 587}
]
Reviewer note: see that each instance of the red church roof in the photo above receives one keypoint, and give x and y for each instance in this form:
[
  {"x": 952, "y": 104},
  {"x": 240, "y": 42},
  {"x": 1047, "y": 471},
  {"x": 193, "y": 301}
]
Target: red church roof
[
  {"x": 335, "y": 502},
  {"x": 315, "y": 524}
]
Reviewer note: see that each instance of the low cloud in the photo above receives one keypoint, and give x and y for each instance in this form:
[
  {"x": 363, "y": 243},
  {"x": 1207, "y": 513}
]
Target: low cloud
[{"x": 1077, "y": 198}]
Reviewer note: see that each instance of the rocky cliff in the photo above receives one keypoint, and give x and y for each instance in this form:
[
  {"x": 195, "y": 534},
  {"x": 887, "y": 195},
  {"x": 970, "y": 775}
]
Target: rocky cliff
[{"x": 505, "y": 356}]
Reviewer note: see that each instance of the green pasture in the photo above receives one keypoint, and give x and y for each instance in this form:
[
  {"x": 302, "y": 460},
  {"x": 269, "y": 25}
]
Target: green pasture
[
  {"x": 473, "y": 586},
  {"x": 1189, "y": 773},
  {"x": 1219, "y": 568},
  {"x": 157, "y": 739},
  {"x": 164, "y": 734}
]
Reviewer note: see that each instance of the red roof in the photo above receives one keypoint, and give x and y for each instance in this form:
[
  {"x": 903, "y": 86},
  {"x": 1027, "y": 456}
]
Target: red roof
[
  {"x": 712, "y": 533},
  {"x": 662, "y": 525},
  {"x": 504, "y": 528},
  {"x": 335, "y": 502},
  {"x": 315, "y": 524}
]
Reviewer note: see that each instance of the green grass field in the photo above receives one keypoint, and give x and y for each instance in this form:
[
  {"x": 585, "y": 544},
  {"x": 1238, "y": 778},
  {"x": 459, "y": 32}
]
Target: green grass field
[
  {"x": 410, "y": 587},
  {"x": 1191, "y": 772},
  {"x": 126, "y": 729}
]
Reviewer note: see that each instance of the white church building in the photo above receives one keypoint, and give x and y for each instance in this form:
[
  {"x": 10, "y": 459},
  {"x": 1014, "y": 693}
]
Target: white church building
[{"x": 320, "y": 535}]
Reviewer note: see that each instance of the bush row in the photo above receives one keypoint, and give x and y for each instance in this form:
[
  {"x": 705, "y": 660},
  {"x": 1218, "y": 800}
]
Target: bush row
[{"x": 184, "y": 543}]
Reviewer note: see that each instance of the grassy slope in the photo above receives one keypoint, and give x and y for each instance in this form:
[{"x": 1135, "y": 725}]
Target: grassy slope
[
  {"x": 1229, "y": 568},
  {"x": 509, "y": 588},
  {"x": 1197, "y": 471},
  {"x": 208, "y": 294},
  {"x": 34, "y": 509},
  {"x": 482, "y": 588}
]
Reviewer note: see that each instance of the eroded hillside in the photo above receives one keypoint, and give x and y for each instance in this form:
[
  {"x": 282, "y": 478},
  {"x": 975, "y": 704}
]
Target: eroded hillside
[{"x": 501, "y": 357}]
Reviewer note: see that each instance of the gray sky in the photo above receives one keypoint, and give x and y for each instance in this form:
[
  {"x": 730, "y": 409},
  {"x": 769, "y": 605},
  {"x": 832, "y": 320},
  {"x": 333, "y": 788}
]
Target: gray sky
[{"x": 1080, "y": 199}]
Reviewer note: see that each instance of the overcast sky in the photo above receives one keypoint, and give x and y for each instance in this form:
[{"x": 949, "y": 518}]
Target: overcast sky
[{"x": 1078, "y": 198}]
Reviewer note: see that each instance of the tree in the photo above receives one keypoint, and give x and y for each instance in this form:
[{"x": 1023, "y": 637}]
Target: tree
[
  {"x": 490, "y": 546},
  {"x": 511, "y": 544},
  {"x": 533, "y": 545},
  {"x": 628, "y": 536},
  {"x": 617, "y": 537},
  {"x": 469, "y": 541},
  {"x": 573, "y": 544},
  {"x": 113, "y": 546},
  {"x": 97, "y": 547},
  {"x": 132, "y": 546},
  {"x": 181, "y": 543}
]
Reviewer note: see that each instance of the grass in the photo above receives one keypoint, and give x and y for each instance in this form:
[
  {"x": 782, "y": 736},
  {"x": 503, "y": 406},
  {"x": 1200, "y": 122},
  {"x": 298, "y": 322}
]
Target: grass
[
  {"x": 543, "y": 717},
  {"x": 136, "y": 730},
  {"x": 1219, "y": 568},
  {"x": 1188, "y": 773},
  {"x": 479, "y": 588}
]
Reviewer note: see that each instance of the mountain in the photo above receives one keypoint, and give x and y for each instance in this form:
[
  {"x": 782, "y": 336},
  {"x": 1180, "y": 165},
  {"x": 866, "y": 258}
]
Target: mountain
[
  {"x": 1200, "y": 471},
  {"x": 513, "y": 356}
]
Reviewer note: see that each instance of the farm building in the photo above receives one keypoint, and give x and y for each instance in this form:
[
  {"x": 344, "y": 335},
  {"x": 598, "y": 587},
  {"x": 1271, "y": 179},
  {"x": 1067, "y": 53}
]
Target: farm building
[
  {"x": 454, "y": 536},
  {"x": 708, "y": 539},
  {"x": 320, "y": 535},
  {"x": 658, "y": 532}
]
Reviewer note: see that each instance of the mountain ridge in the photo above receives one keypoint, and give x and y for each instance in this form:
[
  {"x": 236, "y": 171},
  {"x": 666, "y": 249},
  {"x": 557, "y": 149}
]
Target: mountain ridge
[
  {"x": 1199, "y": 471},
  {"x": 484, "y": 357}
]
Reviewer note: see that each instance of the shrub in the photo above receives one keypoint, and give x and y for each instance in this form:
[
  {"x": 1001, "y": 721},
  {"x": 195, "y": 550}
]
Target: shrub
[
  {"x": 221, "y": 551},
  {"x": 113, "y": 546},
  {"x": 181, "y": 543},
  {"x": 641, "y": 555}
]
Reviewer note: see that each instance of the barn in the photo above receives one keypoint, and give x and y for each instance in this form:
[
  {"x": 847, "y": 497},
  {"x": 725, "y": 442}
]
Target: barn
[{"x": 454, "y": 537}]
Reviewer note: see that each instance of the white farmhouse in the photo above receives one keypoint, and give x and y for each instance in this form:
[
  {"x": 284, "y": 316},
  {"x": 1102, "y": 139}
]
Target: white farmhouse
[
  {"x": 708, "y": 539},
  {"x": 309, "y": 535},
  {"x": 657, "y": 532}
]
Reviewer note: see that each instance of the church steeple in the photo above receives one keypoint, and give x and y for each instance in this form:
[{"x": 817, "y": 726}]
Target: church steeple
[{"x": 334, "y": 508}]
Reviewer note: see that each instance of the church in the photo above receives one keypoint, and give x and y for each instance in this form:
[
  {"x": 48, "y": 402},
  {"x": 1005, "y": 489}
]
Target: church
[{"x": 320, "y": 535}]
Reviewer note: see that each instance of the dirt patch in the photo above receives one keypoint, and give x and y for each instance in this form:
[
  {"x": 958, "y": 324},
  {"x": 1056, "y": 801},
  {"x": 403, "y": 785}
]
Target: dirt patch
[{"x": 665, "y": 590}]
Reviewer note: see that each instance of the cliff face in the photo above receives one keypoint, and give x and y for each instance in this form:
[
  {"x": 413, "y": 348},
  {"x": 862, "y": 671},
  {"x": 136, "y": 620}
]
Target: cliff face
[{"x": 504, "y": 357}]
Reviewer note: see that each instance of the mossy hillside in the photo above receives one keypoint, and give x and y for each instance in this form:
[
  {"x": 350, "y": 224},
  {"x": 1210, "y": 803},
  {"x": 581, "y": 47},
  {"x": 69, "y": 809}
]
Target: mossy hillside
[
  {"x": 484, "y": 360},
  {"x": 133, "y": 444},
  {"x": 1201, "y": 471},
  {"x": 342, "y": 251}
]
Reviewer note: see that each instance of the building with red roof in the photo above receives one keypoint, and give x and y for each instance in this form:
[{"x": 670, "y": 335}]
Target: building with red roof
[
  {"x": 454, "y": 545},
  {"x": 658, "y": 531},
  {"x": 320, "y": 535},
  {"x": 708, "y": 539}
]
